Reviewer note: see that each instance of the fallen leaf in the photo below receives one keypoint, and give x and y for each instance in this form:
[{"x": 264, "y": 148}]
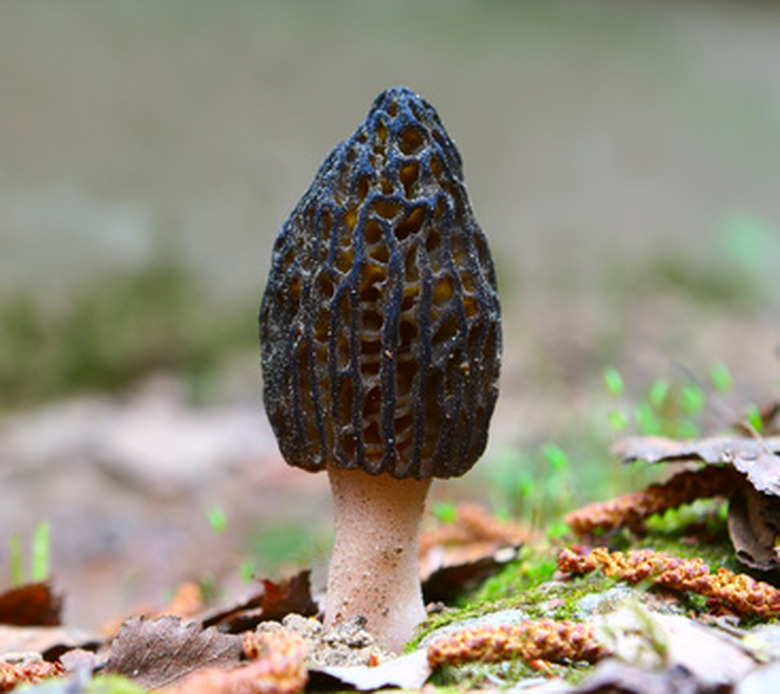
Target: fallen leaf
[
  {"x": 762, "y": 680},
  {"x": 754, "y": 523},
  {"x": 406, "y": 672},
  {"x": 754, "y": 505},
  {"x": 273, "y": 602},
  {"x": 758, "y": 459},
  {"x": 292, "y": 595},
  {"x": 446, "y": 583},
  {"x": 186, "y": 602},
  {"x": 48, "y": 641},
  {"x": 454, "y": 556},
  {"x": 616, "y": 676},
  {"x": 715, "y": 659},
  {"x": 31, "y": 605},
  {"x": 278, "y": 666},
  {"x": 157, "y": 652},
  {"x": 658, "y": 641}
]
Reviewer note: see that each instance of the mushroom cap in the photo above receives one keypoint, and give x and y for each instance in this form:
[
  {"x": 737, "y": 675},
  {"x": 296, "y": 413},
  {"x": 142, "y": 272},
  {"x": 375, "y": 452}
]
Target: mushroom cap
[{"x": 380, "y": 325}]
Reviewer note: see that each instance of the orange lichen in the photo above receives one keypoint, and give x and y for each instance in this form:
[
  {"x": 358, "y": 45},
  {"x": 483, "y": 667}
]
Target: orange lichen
[
  {"x": 12, "y": 675},
  {"x": 278, "y": 666},
  {"x": 738, "y": 592},
  {"x": 541, "y": 640},
  {"x": 631, "y": 509}
]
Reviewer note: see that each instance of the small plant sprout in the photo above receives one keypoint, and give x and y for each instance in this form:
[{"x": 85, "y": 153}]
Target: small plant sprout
[
  {"x": 15, "y": 560},
  {"x": 556, "y": 457},
  {"x": 658, "y": 395},
  {"x": 217, "y": 519},
  {"x": 617, "y": 420},
  {"x": 445, "y": 512},
  {"x": 721, "y": 377},
  {"x": 692, "y": 399},
  {"x": 558, "y": 480},
  {"x": 247, "y": 570},
  {"x": 754, "y": 418},
  {"x": 647, "y": 419},
  {"x": 613, "y": 382},
  {"x": 40, "y": 556}
]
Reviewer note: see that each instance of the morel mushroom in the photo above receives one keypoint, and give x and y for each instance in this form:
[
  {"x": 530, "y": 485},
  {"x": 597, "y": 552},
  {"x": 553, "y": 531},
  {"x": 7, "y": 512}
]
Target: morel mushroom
[{"x": 381, "y": 348}]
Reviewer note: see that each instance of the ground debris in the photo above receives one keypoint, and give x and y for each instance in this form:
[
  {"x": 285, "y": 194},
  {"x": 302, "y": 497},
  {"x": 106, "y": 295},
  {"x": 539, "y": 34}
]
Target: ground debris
[
  {"x": 456, "y": 556},
  {"x": 16, "y": 669},
  {"x": 158, "y": 652},
  {"x": 744, "y": 469},
  {"x": 31, "y": 605},
  {"x": 543, "y": 639},
  {"x": 630, "y": 510},
  {"x": 277, "y": 665},
  {"x": 755, "y": 457},
  {"x": 272, "y": 602},
  {"x": 738, "y": 592},
  {"x": 346, "y": 644}
]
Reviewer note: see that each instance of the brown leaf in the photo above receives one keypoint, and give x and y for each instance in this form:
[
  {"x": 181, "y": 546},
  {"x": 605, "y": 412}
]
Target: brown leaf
[
  {"x": 278, "y": 666},
  {"x": 154, "y": 653},
  {"x": 673, "y": 642},
  {"x": 292, "y": 595},
  {"x": 754, "y": 523},
  {"x": 48, "y": 641},
  {"x": 455, "y": 555},
  {"x": 31, "y": 605},
  {"x": 616, "y": 676},
  {"x": 273, "y": 602},
  {"x": 447, "y": 582},
  {"x": 758, "y": 459}
]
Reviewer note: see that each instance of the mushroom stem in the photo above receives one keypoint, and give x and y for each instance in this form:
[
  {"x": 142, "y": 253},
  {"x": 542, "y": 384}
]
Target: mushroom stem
[{"x": 374, "y": 570}]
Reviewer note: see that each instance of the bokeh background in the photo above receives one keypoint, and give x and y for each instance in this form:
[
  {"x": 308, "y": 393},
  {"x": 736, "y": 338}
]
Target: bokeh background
[{"x": 623, "y": 158}]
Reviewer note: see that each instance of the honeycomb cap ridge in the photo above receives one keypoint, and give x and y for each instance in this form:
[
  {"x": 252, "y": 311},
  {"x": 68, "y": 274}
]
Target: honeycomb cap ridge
[{"x": 380, "y": 323}]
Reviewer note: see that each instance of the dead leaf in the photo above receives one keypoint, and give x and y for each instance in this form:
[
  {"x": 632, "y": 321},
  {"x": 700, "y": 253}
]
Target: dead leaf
[
  {"x": 31, "y": 605},
  {"x": 446, "y": 583},
  {"x": 754, "y": 523},
  {"x": 292, "y": 595},
  {"x": 455, "y": 555},
  {"x": 157, "y": 652},
  {"x": 770, "y": 420},
  {"x": 758, "y": 459},
  {"x": 406, "y": 672},
  {"x": 616, "y": 676},
  {"x": 761, "y": 680},
  {"x": 670, "y": 642},
  {"x": 278, "y": 666},
  {"x": 186, "y": 602},
  {"x": 48, "y": 641},
  {"x": 273, "y": 602}
]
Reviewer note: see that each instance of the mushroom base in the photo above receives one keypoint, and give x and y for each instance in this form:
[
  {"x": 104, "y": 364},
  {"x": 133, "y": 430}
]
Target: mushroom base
[{"x": 374, "y": 570}]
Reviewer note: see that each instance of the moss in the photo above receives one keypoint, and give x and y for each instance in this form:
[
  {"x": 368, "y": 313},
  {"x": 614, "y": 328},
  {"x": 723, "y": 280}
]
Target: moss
[
  {"x": 505, "y": 674},
  {"x": 523, "y": 585},
  {"x": 114, "y": 330}
]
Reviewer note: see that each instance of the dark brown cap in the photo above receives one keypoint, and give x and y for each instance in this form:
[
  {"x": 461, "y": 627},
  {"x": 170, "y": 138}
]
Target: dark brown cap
[{"x": 380, "y": 325}]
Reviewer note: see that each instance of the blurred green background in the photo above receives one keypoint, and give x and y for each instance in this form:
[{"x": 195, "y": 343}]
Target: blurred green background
[{"x": 623, "y": 158}]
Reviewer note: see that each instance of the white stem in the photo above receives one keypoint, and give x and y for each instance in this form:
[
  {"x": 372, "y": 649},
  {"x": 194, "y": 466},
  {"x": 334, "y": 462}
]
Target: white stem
[{"x": 375, "y": 570}]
